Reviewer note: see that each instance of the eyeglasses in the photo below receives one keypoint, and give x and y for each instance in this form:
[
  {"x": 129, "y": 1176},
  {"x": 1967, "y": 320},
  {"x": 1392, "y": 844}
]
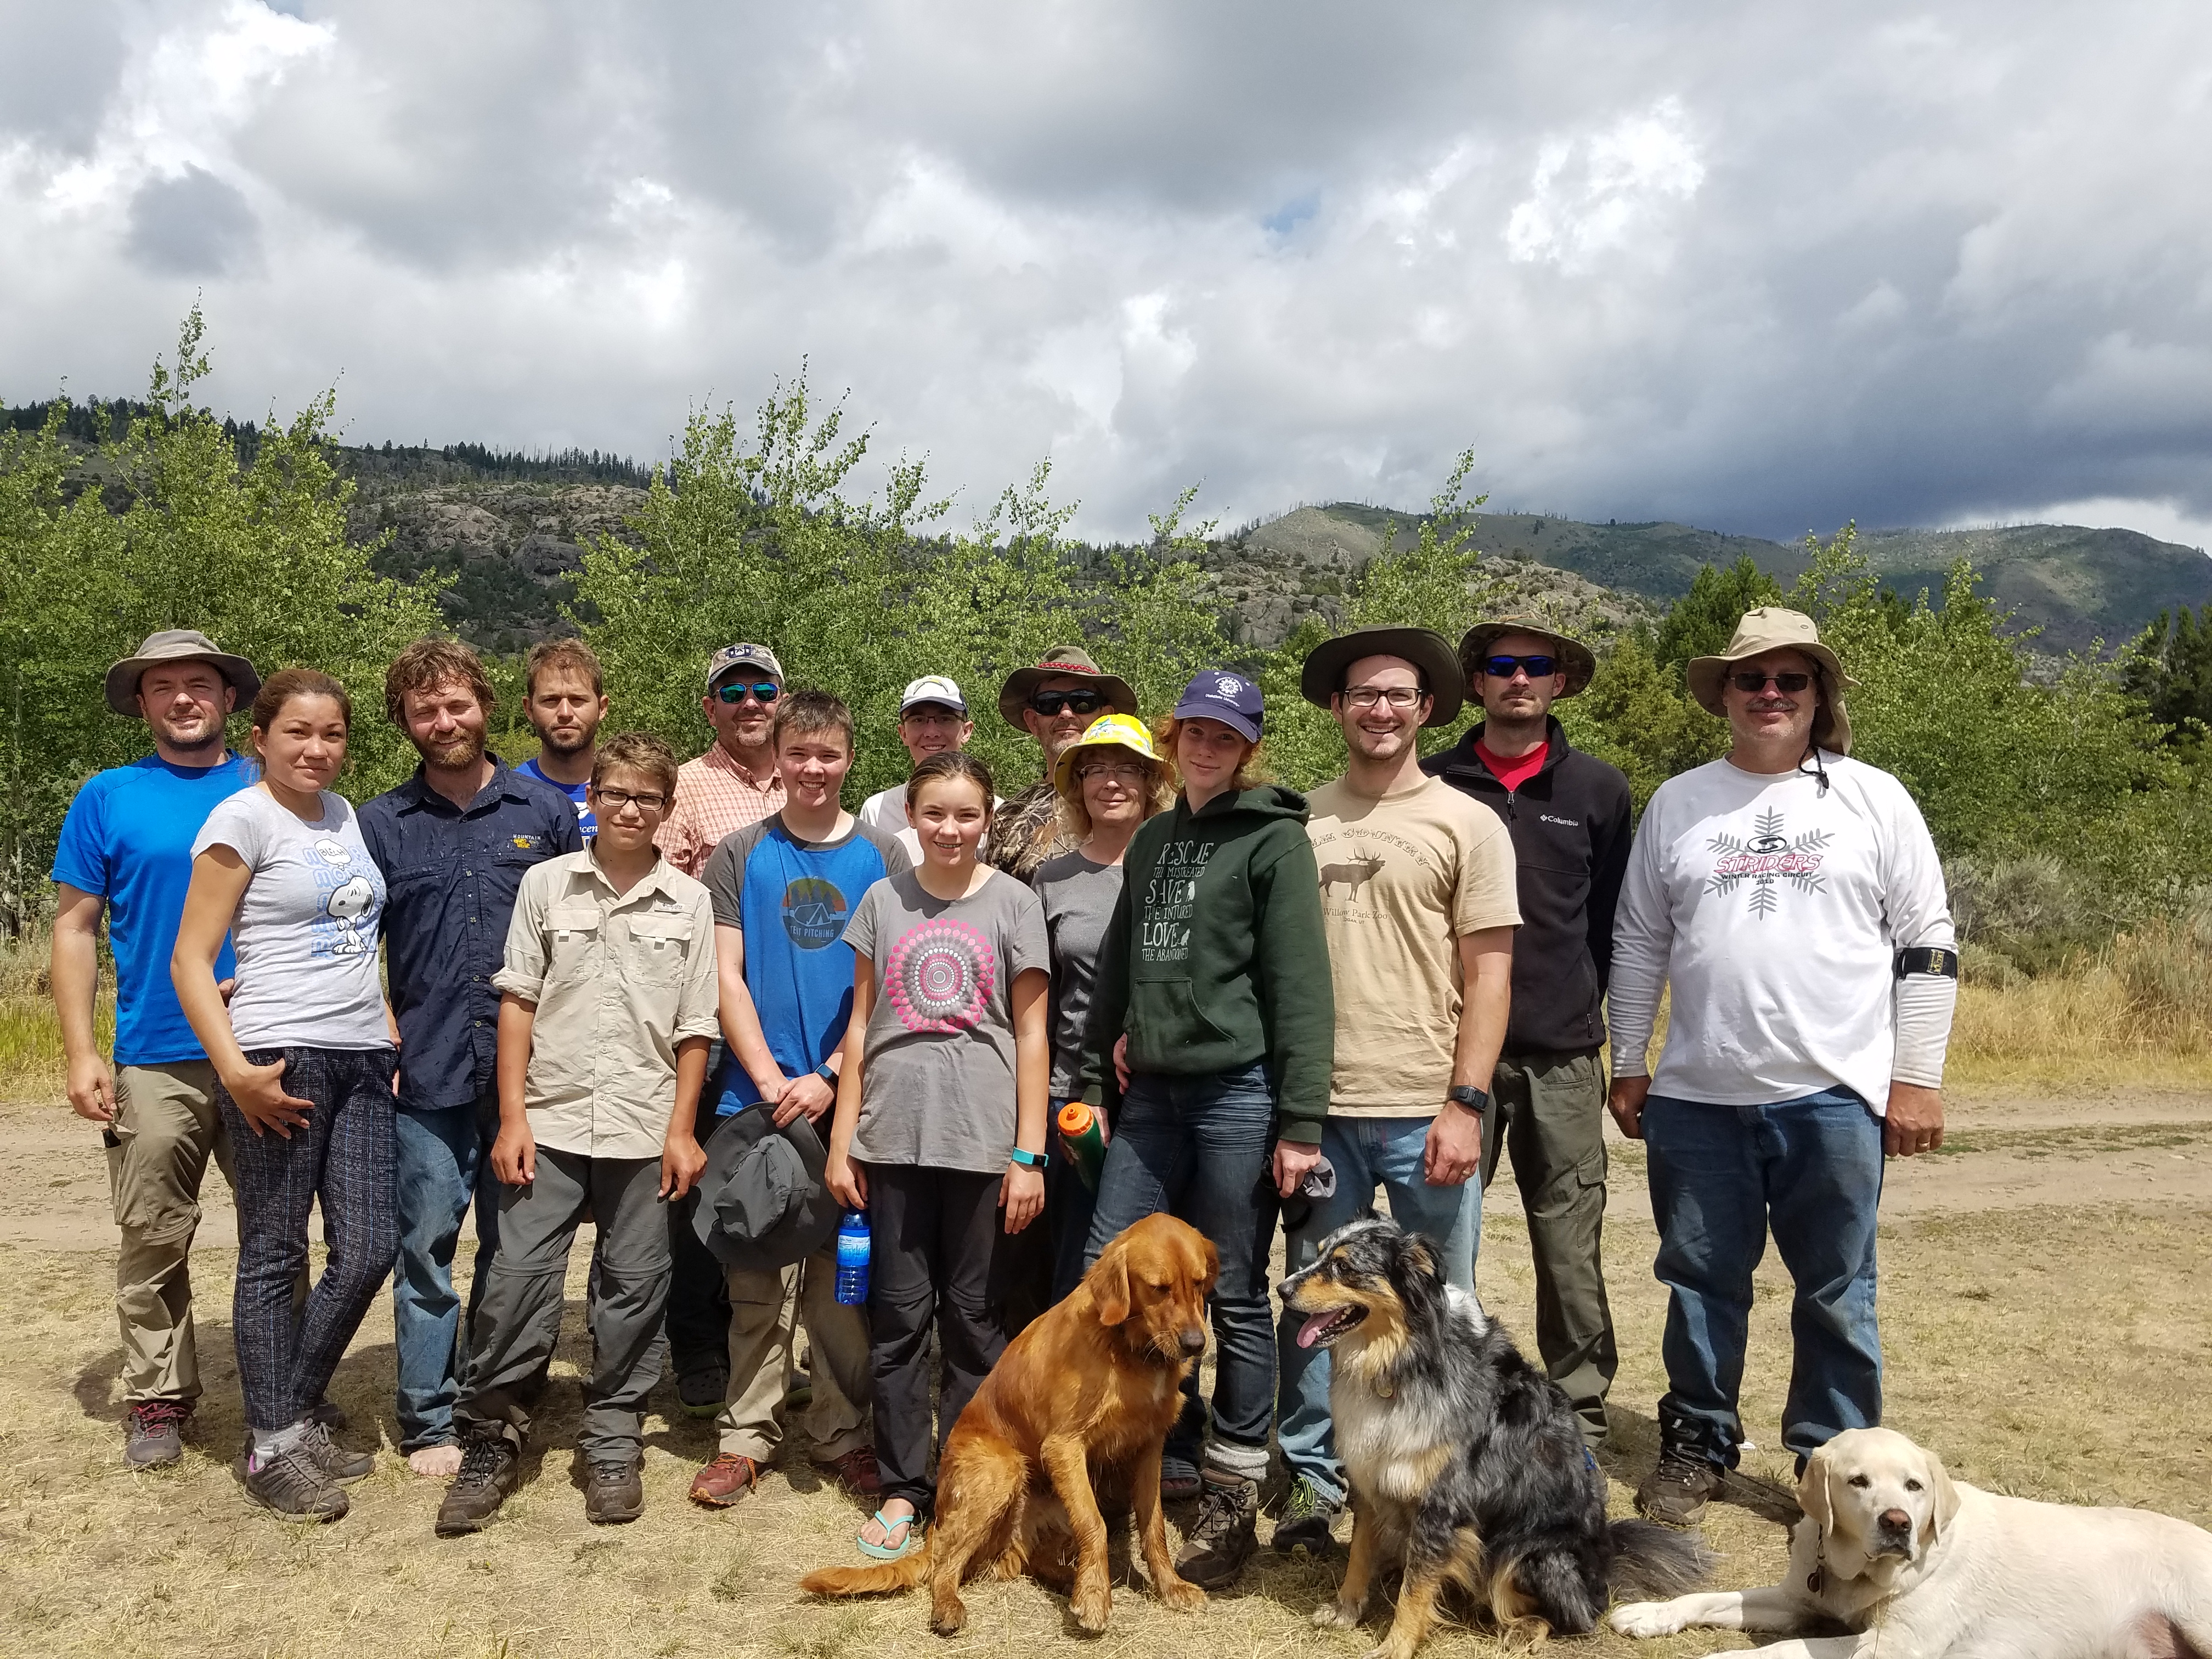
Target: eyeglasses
[
  {"x": 763, "y": 691},
  {"x": 1398, "y": 696},
  {"x": 1120, "y": 771},
  {"x": 1502, "y": 667},
  {"x": 615, "y": 799},
  {"x": 1755, "y": 682},
  {"x": 1076, "y": 702}
]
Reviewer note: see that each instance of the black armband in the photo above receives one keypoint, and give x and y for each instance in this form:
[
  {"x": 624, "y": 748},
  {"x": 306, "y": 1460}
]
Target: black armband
[{"x": 1930, "y": 959}]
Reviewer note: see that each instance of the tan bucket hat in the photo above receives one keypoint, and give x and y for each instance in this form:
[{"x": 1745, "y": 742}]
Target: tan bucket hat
[
  {"x": 1577, "y": 660},
  {"x": 1322, "y": 674},
  {"x": 1771, "y": 628},
  {"x": 1069, "y": 662},
  {"x": 177, "y": 644}
]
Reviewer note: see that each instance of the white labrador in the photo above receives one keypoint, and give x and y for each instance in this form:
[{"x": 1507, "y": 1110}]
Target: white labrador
[{"x": 1923, "y": 1567}]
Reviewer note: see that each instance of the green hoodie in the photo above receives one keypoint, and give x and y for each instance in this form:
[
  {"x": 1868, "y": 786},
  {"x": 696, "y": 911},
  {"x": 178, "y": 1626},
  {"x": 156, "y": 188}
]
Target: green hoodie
[{"x": 1215, "y": 957}]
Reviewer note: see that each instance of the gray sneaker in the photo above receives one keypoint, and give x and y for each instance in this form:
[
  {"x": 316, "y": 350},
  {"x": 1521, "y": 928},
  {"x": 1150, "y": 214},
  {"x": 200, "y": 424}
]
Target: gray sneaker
[
  {"x": 334, "y": 1460},
  {"x": 292, "y": 1484},
  {"x": 1676, "y": 1491},
  {"x": 154, "y": 1433},
  {"x": 1305, "y": 1520}
]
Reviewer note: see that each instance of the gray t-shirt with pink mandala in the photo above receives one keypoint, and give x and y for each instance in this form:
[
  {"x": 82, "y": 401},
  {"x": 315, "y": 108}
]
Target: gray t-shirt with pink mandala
[{"x": 938, "y": 1091}]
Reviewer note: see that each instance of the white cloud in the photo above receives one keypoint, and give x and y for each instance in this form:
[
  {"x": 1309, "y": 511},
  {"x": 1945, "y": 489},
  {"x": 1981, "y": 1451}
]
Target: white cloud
[{"x": 1760, "y": 268}]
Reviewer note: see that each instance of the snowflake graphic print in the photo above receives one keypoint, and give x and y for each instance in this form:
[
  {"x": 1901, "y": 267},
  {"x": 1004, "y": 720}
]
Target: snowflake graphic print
[
  {"x": 939, "y": 977},
  {"x": 1767, "y": 860}
]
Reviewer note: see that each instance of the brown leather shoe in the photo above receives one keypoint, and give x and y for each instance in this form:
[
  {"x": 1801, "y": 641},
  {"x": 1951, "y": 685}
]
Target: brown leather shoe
[
  {"x": 856, "y": 1471},
  {"x": 724, "y": 1481}
]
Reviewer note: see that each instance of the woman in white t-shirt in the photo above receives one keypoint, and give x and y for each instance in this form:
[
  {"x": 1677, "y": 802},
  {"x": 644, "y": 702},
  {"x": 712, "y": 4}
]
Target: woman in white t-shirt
[
  {"x": 305, "y": 1055},
  {"x": 939, "y": 1132}
]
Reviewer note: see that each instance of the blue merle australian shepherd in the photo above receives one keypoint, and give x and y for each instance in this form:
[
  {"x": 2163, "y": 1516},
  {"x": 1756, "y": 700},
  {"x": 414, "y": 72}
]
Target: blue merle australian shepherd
[{"x": 1466, "y": 1462}]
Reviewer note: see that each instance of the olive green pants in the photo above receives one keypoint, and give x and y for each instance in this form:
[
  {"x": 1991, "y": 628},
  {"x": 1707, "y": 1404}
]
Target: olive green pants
[
  {"x": 1548, "y": 1112},
  {"x": 164, "y": 1132}
]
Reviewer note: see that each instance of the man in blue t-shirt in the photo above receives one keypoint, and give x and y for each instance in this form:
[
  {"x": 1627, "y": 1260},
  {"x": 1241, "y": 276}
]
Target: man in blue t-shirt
[
  {"x": 564, "y": 699},
  {"x": 782, "y": 889},
  {"x": 126, "y": 849}
]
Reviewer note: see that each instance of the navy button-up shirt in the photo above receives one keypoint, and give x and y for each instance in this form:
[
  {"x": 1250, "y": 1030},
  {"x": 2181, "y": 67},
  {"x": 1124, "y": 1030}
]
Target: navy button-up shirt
[{"x": 452, "y": 874}]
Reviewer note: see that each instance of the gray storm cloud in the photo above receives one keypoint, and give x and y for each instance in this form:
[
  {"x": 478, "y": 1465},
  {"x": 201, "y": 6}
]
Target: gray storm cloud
[{"x": 1760, "y": 268}]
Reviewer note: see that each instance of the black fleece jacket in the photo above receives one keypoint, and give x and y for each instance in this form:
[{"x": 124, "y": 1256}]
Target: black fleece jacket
[{"x": 1571, "y": 825}]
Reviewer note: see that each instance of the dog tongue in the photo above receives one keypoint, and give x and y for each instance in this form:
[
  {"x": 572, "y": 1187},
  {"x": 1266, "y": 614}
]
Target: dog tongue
[{"x": 1312, "y": 1328}]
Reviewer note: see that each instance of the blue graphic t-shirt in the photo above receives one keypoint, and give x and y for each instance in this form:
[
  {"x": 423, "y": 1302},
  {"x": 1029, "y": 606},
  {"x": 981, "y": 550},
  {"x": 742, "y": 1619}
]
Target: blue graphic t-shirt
[
  {"x": 128, "y": 839},
  {"x": 791, "y": 899},
  {"x": 585, "y": 820}
]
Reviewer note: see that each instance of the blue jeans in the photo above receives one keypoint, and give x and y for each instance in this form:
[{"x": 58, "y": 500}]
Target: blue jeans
[
  {"x": 1199, "y": 1148},
  {"x": 444, "y": 1162},
  {"x": 1367, "y": 1152},
  {"x": 1721, "y": 1176}
]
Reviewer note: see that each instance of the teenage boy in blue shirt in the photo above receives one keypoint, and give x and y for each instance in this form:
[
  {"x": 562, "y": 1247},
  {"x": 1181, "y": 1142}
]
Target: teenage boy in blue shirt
[
  {"x": 783, "y": 889},
  {"x": 453, "y": 842},
  {"x": 126, "y": 849}
]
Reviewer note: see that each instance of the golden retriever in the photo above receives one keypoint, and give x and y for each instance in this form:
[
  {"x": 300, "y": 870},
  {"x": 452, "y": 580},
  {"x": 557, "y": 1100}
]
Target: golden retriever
[
  {"x": 1921, "y": 1567},
  {"x": 1085, "y": 1394}
]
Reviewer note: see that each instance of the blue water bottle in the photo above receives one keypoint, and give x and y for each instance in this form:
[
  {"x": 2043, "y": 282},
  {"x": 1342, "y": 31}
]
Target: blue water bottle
[{"x": 852, "y": 1259}]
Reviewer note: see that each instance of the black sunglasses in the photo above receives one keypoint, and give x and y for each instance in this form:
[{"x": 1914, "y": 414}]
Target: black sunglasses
[
  {"x": 765, "y": 691},
  {"x": 1502, "y": 667},
  {"x": 1754, "y": 682},
  {"x": 1076, "y": 702}
]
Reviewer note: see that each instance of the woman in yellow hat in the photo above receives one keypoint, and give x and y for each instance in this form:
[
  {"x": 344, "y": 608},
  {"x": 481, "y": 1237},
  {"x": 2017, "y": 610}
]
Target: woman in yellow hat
[{"x": 1110, "y": 780}]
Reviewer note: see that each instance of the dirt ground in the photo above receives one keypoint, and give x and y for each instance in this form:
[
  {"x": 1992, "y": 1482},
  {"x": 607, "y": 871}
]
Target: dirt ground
[{"x": 2047, "y": 1315}]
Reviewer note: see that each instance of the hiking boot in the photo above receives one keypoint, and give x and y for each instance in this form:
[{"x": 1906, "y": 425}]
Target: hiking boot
[
  {"x": 334, "y": 1460},
  {"x": 490, "y": 1469},
  {"x": 1674, "y": 1493},
  {"x": 1305, "y": 1520},
  {"x": 291, "y": 1484},
  {"x": 856, "y": 1471},
  {"x": 154, "y": 1433},
  {"x": 613, "y": 1491},
  {"x": 1224, "y": 1534},
  {"x": 724, "y": 1481},
  {"x": 700, "y": 1390}
]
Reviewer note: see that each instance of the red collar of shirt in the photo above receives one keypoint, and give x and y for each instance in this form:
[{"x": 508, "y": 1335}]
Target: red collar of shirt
[{"x": 1517, "y": 771}]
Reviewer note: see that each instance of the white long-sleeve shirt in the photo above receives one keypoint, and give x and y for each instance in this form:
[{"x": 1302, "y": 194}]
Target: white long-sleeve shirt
[{"x": 1774, "y": 910}]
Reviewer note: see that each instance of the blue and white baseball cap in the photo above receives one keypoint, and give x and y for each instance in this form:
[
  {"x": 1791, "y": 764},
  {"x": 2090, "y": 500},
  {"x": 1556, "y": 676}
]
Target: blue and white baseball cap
[
  {"x": 933, "y": 688},
  {"x": 1222, "y": 694}
]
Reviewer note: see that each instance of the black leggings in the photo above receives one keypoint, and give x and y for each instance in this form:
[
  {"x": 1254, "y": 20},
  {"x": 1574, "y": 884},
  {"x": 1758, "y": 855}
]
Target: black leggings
[
  {"x": 344, "y": 1154},
  {"x": 934, "y": 1244}
]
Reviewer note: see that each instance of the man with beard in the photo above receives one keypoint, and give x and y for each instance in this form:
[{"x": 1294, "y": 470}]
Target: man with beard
[
  {"x": 453, "y": 842},
  {"x": 125, "y": 848},
  {"x": 1055, "y": 703},
  {"x": 564, "y": 700},
  {"x": 735, "y": 783}
]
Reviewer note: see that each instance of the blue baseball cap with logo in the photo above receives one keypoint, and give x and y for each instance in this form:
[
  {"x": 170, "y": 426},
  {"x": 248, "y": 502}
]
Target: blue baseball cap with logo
[{"x": 1222, "y": 694}]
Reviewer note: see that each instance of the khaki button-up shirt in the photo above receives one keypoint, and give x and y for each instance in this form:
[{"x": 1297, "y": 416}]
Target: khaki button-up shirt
[{"x": 618, "y": 979}]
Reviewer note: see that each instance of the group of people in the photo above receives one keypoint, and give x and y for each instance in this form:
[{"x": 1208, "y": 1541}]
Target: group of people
[{"x": 614, "y": 980}]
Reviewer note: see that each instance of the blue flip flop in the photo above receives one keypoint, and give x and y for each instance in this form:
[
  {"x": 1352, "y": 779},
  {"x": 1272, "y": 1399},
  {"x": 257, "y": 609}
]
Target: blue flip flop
[{"x": 889, "y": 1552}]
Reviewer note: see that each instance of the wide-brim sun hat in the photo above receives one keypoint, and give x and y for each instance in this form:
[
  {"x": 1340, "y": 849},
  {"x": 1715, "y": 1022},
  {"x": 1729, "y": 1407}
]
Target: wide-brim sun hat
[
  {"x": 1577, "y": 660},
  {"x": 1322, "y": 675},
  {"x": 1063, "y": 662},
  {"x": 1107, "y": 731},
  {"x": 177, "y": 644},
  {"x": 1772, "y": 627}
]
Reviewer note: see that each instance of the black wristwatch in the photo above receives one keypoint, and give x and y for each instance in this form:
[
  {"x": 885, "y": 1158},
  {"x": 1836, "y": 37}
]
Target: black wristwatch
[
  {"x": 827, "y": 1076},
  {"x": 1467, "y": 1095}
]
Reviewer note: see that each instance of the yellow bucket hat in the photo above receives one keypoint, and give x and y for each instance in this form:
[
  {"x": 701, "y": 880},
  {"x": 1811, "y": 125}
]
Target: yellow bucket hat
[{"x": 1107, "y": 731}]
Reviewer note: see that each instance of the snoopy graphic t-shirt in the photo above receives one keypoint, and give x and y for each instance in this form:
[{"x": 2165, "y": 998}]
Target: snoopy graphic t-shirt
[
  {"x": 938, "y": 1091},
  {"x": 305, "y": 931},
  {"x": 1403, "y": 876}
]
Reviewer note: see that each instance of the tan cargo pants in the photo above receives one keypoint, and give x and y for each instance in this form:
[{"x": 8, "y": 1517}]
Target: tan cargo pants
[
  {"x": 763, "y": 1318},
  {"x": 164, "y": 1131}
]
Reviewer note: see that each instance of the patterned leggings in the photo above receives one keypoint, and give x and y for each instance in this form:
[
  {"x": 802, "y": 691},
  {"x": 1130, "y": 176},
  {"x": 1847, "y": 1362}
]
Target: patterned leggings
[{"x": 343, "y": 1155}]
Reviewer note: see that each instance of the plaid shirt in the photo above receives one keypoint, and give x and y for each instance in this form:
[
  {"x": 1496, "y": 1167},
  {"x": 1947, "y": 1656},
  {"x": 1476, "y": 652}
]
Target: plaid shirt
[{"x": 713, "y": 796}]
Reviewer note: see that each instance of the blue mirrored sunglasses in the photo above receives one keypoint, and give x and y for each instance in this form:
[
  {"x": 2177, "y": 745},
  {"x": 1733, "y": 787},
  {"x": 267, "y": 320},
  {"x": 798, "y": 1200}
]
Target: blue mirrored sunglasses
[{"x": 763, "y": 690}]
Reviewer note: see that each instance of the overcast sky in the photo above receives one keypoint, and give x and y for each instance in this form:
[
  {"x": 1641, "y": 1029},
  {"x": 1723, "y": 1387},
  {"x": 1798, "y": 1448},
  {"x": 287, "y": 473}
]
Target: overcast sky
[{"x": 1758, "y": 267}]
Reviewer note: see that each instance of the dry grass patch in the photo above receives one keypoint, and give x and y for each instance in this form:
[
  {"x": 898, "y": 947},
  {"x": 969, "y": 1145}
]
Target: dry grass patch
[{"x": 2035, "y": 1356}]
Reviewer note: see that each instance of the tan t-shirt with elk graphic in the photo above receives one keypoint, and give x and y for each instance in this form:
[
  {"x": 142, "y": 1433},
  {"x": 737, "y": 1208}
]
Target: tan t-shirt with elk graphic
[{"x": 1403, "y": 878}]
